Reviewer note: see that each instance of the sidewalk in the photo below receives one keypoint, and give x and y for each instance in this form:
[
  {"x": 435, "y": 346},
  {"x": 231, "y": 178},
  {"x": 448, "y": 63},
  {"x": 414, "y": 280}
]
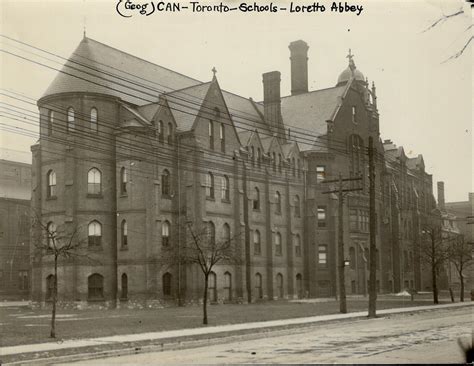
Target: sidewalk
[{"x": 212, "y": 330}]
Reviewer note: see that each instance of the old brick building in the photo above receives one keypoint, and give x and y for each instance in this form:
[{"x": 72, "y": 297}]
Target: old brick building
[
  {"x": 15, "y": 192},
  {"x": 130, "y": 153}
]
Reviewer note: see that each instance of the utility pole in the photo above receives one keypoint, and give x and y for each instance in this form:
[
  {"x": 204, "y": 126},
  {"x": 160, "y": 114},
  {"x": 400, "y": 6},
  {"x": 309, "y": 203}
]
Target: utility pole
[
  {"x": 340, "y": 242},
  {"x": 372, "y": 245}
]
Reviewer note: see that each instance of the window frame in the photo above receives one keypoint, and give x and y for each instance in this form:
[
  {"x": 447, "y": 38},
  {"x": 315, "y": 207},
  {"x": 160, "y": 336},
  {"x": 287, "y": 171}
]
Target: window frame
[
  {"x": 94, "y": 120},
  {"x": 96, "y": 174},
  {"x": 94, "y": 240}
]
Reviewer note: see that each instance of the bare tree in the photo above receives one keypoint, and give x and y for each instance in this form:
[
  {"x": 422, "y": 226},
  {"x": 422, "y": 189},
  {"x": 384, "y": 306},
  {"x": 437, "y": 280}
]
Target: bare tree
[
  {"x": 460, "y": 255},
  {"x": 204, "y": 250},
  {"x": 56, "y": 243},
  {"x": 434, "y": 253}
]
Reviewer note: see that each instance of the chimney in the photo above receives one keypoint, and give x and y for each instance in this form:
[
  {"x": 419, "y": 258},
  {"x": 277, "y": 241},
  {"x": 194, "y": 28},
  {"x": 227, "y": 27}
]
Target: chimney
[
  {"x": 299, "y": 67},
  {"x": 272, "y": 102},
  {"x": 441, "y": 205}
]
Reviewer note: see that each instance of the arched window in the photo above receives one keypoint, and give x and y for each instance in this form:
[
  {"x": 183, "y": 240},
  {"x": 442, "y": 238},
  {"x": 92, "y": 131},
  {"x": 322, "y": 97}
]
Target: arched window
[
  {"x": 160, "y": 131},
  {"x": 124, "y": 282},
  {"x": 209, "y": 185},
  {"x": 258, "y": 286},
  {"x": 94, "y": 125},
  {"x": 297, "y": 246},
  {"x": 257, "y": 248},
  {"x": 211, "y": 230},
  {"x": 211, "y": 134},
  {"x": 123, "y": 180},
  {"x": 124, "y": 229},
  {"x": 212, "y": 287},
  {"x": 277, "y": 202},
  {"x": 227, "y": 286},
  {"x": 274, "y": 161},
  {"x": 95, "y": 287},
  {"x": 95, "y": 233},
  {"x": 280, "y": 162},
  {"x": 297, "y": 206},
  {"x": 252, "y": 155},
  {"x": 165, "y": 233},
  {"x": 278, "y": 247},
  {"x": 279, "y": 283},
  {"x": 226, "y": 233},
  {"x": 299, "y": 286},
  {"x": 169, "y": 138},
  {"x": 165, "y": 183},
  {"x": 256, "y": 200},
  {"x": 293, "y": 167},
  {"x": 51, "y": 235},
  {"x": 70, "y": 119},
  {"x": 352, "y": 258},
  {"x": 259, "y": 157},
  {"x": 166, "y": 281},
  {"x": 49, "y": 287},
  {"x": 94, "y": 181},
  {"x": 225, "y": 192},
  {"x": 50, "y": 122},
  {"x": 222, "y": 137},
  {"x": 51, "y": 187}
]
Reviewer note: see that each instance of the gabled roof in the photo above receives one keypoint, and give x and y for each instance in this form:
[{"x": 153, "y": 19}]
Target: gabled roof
[
  {"x": 416, "y": 163},
  {"x": 245, "y": 136},
  {"x": 97, "y": 68},
  {"x": 185, "y": 104},
  {"x": 310, "y": 111},
  {"x": 246, "y": 114}
]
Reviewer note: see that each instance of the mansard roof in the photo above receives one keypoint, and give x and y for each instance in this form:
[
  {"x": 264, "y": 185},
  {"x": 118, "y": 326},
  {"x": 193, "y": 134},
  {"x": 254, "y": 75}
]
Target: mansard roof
[
  {"x": 98, "y": 68},
  {"x": 311, "y": 111}
]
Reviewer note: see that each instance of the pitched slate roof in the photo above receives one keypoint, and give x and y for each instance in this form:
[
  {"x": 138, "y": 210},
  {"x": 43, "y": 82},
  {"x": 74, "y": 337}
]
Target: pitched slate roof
[
  {"x": 310, "y": 111},
  {"x": 245, "y": 113},
  {"x": 97, "y": 68},
  {"x": 244, "y": 137},
  {"x": 185, "y": 104}
]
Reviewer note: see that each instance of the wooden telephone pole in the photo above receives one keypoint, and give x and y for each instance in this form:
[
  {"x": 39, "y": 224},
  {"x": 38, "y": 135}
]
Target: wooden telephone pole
[
  {"x": 341, "y": 191},
  {"x": 372, "y": 253}
]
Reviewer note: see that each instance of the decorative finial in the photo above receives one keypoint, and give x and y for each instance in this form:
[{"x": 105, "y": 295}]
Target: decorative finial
[
  {"x": 214, "y": 71},
  {"x": 350, "y": 56}
]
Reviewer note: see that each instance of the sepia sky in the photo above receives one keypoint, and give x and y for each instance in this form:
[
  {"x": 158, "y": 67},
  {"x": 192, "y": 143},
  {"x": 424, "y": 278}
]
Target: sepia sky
[{"x": 425, "y": 104}]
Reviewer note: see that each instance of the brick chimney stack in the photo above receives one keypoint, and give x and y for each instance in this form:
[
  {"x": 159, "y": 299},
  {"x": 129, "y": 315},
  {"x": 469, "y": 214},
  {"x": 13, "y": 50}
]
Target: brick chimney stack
[
  {"x": 272, "y": 102},
  {"x": 441, "y": 205},
  {"x": 299, "y": 67}
]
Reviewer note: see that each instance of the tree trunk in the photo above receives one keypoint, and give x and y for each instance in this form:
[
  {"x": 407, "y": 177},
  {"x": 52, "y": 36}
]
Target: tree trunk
[
  {"x": 451, "y": 294},
  {"x": 433, "y": 271},
  {"x": 204, "y": 304},
  {"x": 461, "y": 296},
  {"x": 435, "y": 287},
  {"x": 55, "y": 298}
]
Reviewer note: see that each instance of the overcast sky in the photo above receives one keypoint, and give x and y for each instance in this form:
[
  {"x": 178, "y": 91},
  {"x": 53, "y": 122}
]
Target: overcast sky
[{"x": 425, "y": 104}]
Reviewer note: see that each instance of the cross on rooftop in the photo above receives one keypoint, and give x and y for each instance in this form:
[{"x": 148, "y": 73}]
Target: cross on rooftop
[{"x": 214, "y": 71}]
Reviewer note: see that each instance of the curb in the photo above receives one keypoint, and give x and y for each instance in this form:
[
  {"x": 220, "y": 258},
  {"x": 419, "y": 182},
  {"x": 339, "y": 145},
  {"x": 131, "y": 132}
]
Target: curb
[{"x": 225, "y": 336}]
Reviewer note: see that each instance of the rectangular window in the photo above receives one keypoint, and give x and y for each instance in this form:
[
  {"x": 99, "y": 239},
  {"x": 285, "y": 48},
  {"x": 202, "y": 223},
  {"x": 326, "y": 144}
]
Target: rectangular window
[
  {"x": 353, "y": 219},
  {"x": 222, "y": 137},
  {"x": 321, "y": 216},
  {"x": 320, "y": 173},
  {"x": 23, "y": 280},
  {"x": 323, "y": 256},
  {"x": 211, "y": 134}
]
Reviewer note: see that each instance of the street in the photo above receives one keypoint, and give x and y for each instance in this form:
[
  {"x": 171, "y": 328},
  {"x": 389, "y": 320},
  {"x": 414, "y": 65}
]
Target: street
[{"x": 424, "y": 337}]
